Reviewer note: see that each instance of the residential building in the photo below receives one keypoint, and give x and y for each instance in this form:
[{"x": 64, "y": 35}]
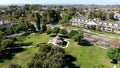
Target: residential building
[
  {"x": 117, "y": 16},
  {"x": 80, "y": 21}
]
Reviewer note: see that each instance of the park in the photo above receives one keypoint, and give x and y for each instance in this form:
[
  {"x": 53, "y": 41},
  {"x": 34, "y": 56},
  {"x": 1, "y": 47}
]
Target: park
[{"x": 85, "y": 56}]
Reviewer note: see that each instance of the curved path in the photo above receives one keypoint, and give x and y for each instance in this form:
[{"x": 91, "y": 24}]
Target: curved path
[{"x": 19, "y": 47}]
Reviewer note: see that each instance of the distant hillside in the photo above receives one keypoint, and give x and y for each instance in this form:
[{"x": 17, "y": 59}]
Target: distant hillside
[{"x": 70, "y": 5}]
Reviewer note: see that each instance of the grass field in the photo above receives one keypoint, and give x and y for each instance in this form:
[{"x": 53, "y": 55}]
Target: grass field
[
  {"x": 24, "y": 57},
  {"x": 21, "y": 58},
  {"x": 89, "y": 56},
  {"x": 35, "y": 39},
  {"x": 86, "y": 56}
]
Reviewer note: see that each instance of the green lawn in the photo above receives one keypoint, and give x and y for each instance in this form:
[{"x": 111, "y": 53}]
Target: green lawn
[
  {"x": 21, "y": 58},
  {"x": 24, "y": 57},
  {"x": 35, "y": 39},
  {"x": 88, "y": 56}
]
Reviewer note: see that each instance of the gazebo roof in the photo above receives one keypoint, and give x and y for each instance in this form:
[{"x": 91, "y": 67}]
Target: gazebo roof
[{"x": 58, "y": 39}]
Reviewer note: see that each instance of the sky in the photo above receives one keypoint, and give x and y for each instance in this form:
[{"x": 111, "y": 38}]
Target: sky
[{"x": 99, "y": 2}]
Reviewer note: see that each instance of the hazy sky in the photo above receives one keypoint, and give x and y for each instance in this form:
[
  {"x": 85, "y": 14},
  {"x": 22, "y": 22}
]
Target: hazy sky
[{"x": 103, "y": 2}]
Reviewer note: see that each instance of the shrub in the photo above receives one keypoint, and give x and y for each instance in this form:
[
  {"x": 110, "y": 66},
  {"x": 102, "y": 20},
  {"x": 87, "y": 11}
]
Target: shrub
[
  {"x": 1, "y": 33},
  {"x": 56, "y": 30},
  {"x": 77, "y": 37},
  {"x": 52, "y": 35},
  {"x": 114, "y": 54},
  {"x": 73, "y": 32},
  {"x": 44, "y": 27},
  {"x": 5, "y": 43},
  {"x": 49, "y": 31},
  {"x": 63, "y": 32}
]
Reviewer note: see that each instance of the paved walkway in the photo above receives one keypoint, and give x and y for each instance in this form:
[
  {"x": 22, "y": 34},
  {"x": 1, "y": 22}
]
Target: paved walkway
[
  {"x": 101, "y": 47},
  {"x": 18, "y": 47},
  {"x": 17, "y": 34}
]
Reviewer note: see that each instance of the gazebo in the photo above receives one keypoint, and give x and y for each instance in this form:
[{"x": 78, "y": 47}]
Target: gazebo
[{"x": 57, "y": 40}]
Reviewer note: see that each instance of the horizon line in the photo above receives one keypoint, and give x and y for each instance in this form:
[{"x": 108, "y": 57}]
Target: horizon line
[{"x": 54, "y": 4}]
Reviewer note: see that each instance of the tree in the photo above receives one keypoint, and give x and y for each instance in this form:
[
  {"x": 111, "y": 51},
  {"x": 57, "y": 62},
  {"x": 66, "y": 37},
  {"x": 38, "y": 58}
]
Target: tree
[
  {"x": 19, "y": 27},
  {"x": 80, "y": 11},
  {"x": 51, "y": 16},
  {"x": 98, "y": 14},
  {"x": 38, "y": 21},
  {"x": 49, "y": 31},
  {"x": 44, "y": 27},
  {"x": 6, "y": 43},
  {"x": 33, "y": 29},
  {"x": 77, "y": 37},
  {"x": 30, "y": 17},
  {"x": 111, "y": 16},
  {"x": 98, "y": 28},
  {"x": 62, "y": 21},
  {"x": 73, "y": 32},
  {"x": 21, "y": 20},
  {"x": 50, "y": 20},
  {"x": 56, "y": 30},
  {"x": 43, "y": 20},
  {"x": 104, "y": 14},
  {"x": 63, "y": 32},
  {"x": 114, "y": 54},
  {"x": 65, "y": 18},
  {"x": 47, "y": 56},
  {"x": 25, "y": 25},
  {"x": 2, "y": 28},
  {"x": 9, "y": 30},
  {"x": 1, "y": 34}
]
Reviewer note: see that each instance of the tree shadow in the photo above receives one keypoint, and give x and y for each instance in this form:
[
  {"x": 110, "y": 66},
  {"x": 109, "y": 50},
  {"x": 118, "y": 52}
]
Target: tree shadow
[
  {"x": 25, "y": 34},
  {"x": 85, "y": 42},
  {"x": 114, "y": 61},
  {"x": 68, "y": 61},
  {"x": 64, "y": 36},
  {"x": 53, "y": 35},
  {"x": 9, "y": 53}
]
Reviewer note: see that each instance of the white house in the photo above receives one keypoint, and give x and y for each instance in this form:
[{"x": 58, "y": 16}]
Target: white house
[
  {"x": 92, "y": 23},
  {"x": 117, "y": 16},
  {"x": 1, "y": 22},
  {"x": 5, "y": 22},
  {"x": 81, "y": 21}
]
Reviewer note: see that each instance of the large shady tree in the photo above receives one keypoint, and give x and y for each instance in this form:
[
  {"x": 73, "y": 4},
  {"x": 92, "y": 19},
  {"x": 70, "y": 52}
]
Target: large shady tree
[
  {"x": 48, "y": 57},
  {"x": 114, "y": 54}
]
